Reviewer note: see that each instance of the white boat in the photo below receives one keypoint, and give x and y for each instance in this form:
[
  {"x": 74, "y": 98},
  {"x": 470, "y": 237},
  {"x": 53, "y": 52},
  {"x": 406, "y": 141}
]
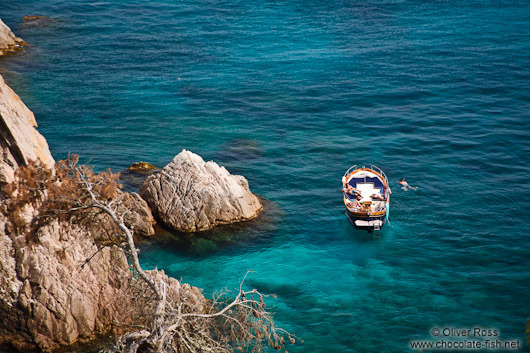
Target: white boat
[{"x": 366, "y": 196}]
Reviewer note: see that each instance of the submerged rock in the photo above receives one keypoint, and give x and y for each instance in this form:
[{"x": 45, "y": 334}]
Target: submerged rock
[
  {"x": 240, "y": 150},
  {"x": 191, "y": 195},
  {"x": 34, "y": 18},
  {"x": 9, "y": 43},
  {"x": 32, "y": 21}
]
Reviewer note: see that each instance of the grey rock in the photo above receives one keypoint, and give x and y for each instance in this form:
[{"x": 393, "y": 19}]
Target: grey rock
[
  {"x": 50, "y": 295},
  {"x": 191, "y": 195}
]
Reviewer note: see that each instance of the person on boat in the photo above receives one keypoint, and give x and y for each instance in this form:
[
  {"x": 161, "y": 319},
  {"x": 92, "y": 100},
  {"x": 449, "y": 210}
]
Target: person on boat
[
  {"x": 378, "y": 197},
  {"x": 351, "y": 190},
  {"x": 406, "y": 185},
  {"x": 356, "y": 203},
  {"x": 365, "y": 207}
]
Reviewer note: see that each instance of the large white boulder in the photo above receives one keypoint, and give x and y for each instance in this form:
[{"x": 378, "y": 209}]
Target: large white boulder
[{"x": 192, "y": 195}]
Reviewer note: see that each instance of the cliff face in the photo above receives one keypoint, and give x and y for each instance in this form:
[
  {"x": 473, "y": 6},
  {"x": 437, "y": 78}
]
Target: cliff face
[
  {"x": 47, "y": 296},
  {"x": 50, "y": 295},
  {"x": 20, "y": 141},
  {"x": 8, "y": 41}
]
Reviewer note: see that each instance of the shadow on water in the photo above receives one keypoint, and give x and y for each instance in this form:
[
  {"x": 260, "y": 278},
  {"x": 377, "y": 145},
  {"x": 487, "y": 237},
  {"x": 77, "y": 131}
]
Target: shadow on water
[
  {"x": 366, "y": 236},
  {"x": 132, "y": 181},
  {"x": 285, "y": 291},
  {"x": 236, "y": 237},
  {"x": 361, "y": 235}
]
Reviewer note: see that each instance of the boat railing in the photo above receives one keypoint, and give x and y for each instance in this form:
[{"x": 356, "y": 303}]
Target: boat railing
[
  {"x": 361, "y": 210},
  {"x": 353, "y": 167},
  {"x": 373, "y": 167},
  {"x": 380, "y": 171}
]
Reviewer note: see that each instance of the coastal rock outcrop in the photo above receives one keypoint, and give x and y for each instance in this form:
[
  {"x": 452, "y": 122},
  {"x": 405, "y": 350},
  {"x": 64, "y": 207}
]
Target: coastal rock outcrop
[
  {"x": 191, "y": 195},
  {"x": 20, "y": 141},
  {"x": 8, "y": 41}
]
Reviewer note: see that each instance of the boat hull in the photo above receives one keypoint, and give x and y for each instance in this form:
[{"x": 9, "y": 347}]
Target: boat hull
[{"x": 366, "y": 222}]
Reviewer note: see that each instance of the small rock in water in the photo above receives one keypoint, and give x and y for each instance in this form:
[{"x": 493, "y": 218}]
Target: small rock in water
[
  {"x": 36, "y": 20},
  {"x": 141, "y": 167},
  {"x": 139, "y": 216}
]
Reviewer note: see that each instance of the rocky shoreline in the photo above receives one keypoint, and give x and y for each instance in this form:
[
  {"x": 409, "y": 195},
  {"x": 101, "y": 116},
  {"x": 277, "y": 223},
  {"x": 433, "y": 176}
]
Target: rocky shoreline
[
  {"x": 58, "y": 286},
  {"x": 9, "y": 43}
]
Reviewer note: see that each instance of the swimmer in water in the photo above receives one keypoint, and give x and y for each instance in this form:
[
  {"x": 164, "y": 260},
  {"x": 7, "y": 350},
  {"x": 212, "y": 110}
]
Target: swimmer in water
[{"x": 406, "y": 185}]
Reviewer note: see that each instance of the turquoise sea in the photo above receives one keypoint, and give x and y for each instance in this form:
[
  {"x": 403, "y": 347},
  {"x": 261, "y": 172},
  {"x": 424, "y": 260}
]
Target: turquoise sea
[{"x": 290, "y": 94}]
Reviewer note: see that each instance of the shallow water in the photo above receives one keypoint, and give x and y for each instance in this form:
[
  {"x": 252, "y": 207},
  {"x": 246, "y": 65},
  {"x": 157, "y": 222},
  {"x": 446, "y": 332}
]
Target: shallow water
[{"x": 290, "y": 94}]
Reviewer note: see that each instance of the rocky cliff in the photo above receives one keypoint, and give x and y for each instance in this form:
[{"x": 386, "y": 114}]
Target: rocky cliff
[
  {"x": 191, "y": 195},
  {"x": 57, "y": 287},
  {"x": 8, "y": 41},
  {"x": 20, "y": 141},
  {"x": 47, "y": 296}
]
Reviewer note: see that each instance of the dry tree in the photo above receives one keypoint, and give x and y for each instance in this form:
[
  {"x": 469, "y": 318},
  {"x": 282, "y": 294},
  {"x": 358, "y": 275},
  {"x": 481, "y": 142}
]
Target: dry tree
[{"x": 75, "y": 193}]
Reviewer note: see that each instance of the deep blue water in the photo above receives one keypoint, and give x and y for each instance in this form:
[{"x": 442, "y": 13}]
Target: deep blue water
[{"x": 290, "y": 94}]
